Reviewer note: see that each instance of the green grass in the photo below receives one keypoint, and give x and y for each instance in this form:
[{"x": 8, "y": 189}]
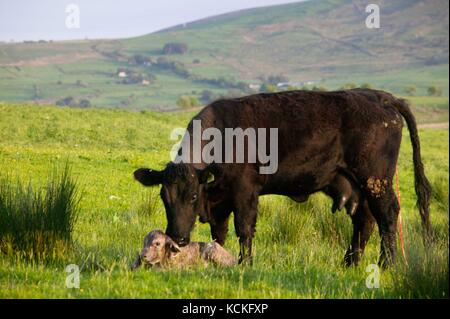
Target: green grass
[
  {"x": 298, "y": 248},
  {"x": 38, "y": 223}
]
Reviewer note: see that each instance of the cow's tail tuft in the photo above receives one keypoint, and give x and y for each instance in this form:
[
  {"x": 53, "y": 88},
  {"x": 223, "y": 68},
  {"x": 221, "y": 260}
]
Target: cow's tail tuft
[{"x": 421, "y": 183}]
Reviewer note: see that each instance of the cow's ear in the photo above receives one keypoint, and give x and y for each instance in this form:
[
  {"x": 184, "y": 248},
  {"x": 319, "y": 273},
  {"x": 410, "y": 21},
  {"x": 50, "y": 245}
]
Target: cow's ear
[
  {"x": 148, "y": 177},
  {"x": 205, "y": 176}
]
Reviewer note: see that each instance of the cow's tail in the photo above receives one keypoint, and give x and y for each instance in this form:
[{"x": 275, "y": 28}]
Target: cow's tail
[{"x": 421, "y": 183}]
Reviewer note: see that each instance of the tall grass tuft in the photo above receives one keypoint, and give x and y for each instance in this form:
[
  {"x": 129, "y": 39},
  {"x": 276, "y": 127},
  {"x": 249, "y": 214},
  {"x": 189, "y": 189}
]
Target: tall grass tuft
[
  {"x": 312, "y": 220},
  {"x": 440, "y": 191},
  {"x": 37, "y": 222},
  {"x": 149, "y": 203},
  {"x": 427, "y": 273}
]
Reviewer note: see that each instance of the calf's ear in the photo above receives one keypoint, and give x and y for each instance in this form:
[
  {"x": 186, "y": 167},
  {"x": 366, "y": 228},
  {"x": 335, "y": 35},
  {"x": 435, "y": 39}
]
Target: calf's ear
[
  {"x": 171, "y": 245},
  {"x": 148, "y": 177}
]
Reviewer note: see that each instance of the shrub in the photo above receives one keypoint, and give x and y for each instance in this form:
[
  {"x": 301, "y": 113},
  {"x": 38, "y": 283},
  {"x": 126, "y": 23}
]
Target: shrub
[
  {"x": 208, "y": 96},
  {"x": 434, "y": 91},
  {"x": 194, "y": 101},
  {"x": 183, "y": 101},
  {"x": 38, "y": 222},
  {"x": 67, "y": 101},
  {"x": 139, "y": 59},
  {"x": 275, "y": 79},
  {"x": 84, "y": 103},
  {"x": 175, "y": 66},
  {"x": 348, "y": 86},
  {"x": 318, "y": 88},
  {"x": 268, "y": 88},
  {"x": 366, "y": 86},
  {"x": 72, "y": 102},
  {"x": 175, "y": 48},
  {"x": 411, "y": 90}
]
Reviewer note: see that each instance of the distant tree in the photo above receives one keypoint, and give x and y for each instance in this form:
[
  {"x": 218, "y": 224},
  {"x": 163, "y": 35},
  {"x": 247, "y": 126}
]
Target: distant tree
[
  {"x": 180, "y": 69},
  {"x": 194, "y": 101},
  {"x": 268, "y": 88},
  {"x": 434, "y": 91},
  {"x": 67, "y": 101},
  {"x": 72, "y": 102},
  {"x": 207, "y": 96},
  {"x": 304, "y": 88},
  {"x": 275, "y": 79},
  {"x": 366, "y": 86},
  {"x": 184, "y": 101},
  {"x": 84, "y": 103},
  {"x": 175, "y": 66},
  {"x": 411, "y": 90},
  {"x": 139, "y": 59},
  {"x": 175, "y": 48},
  {"x": 292, "y": 88},
  {"x": 348, "y": 86},
  {"x": 319, "y": 88}
]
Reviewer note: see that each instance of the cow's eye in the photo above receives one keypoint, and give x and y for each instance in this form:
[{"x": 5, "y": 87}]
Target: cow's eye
[{"x": 194, "y": 198}]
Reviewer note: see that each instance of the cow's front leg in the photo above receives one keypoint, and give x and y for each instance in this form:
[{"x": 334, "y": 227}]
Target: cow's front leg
[
  {"x": 219, "y": 224},
  {"x": 245, "y": 224},
  {"x": 245, "y": 229}
]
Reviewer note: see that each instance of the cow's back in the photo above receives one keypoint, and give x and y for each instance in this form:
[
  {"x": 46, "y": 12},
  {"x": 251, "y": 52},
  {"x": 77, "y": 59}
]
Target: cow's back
[{"x": 315, "y": 129}]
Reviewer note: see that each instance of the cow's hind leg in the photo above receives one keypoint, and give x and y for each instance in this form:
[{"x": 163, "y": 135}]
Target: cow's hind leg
[
  {"x": 363, "y": 225},
  {"x": 384, "y": 207}
]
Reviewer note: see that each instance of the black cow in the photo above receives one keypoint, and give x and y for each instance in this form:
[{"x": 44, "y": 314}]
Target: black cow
[{"x": 355, "y": 134}]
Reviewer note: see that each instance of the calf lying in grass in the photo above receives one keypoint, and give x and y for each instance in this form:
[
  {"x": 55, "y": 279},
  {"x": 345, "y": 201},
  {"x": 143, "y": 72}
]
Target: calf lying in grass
[{"x": 160, "y": 250}]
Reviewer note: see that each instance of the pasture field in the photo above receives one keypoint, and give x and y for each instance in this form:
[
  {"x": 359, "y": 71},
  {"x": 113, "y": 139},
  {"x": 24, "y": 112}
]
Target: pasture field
[{"x": 298, "y": 248}]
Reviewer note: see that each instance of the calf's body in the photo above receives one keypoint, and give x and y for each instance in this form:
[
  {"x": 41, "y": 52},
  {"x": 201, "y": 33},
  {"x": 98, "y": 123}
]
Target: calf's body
[{"x": 160, "y": 250}]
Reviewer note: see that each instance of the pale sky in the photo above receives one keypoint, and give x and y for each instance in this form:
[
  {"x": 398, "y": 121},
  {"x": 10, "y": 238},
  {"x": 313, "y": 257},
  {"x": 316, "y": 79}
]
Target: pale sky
[{"x": 46, "y": 19}]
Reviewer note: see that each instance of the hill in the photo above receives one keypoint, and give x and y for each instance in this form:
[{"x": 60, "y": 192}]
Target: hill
[{"x": 322, "y": 43}]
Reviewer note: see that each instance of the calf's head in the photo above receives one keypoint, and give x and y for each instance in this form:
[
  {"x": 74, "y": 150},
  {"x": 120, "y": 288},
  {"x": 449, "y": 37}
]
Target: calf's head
[
  {"x": 157, "y": 248},
  {"x": 183, "y": 194}
]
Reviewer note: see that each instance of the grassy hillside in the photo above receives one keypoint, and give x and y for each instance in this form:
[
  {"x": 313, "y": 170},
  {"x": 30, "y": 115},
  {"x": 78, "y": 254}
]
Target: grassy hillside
[
  {"x": 321, "y": 41},
  {"x": 298, "y": 248}
]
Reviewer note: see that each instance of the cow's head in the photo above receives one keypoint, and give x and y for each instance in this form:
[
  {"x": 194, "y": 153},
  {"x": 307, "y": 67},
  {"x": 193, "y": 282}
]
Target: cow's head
[{"x": 183, "y": 192}]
